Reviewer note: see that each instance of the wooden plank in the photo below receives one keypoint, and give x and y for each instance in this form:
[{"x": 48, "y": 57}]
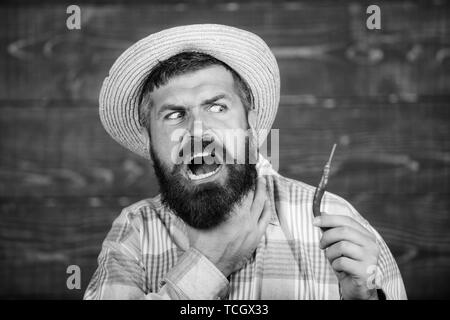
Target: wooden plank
[
  {"x": 403, "y": 148},
  {"x": 427, "y": 278},
  {"x": 63, "y": 181},
  {"x": 322, "y": 50},
  {"x": 50, "y": 237},
  {"x": 382, "y": 95},
  {"x": 40, "y": 240}
]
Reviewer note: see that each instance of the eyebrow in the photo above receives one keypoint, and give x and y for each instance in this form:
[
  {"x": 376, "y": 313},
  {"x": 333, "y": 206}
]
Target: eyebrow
[
  {"x": 175, "y": 107},
  {"x": 170, "y": 106},
  {"x": 215, "y": 98}
]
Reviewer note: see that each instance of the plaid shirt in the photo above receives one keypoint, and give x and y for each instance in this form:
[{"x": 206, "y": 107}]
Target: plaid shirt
[{"x": 146, "y": 254}]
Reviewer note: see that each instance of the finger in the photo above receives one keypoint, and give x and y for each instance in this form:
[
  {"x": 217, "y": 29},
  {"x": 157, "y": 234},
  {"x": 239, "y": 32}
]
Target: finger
[
  {"x": 334, "y": 220},
  {"x": 265, "y": 217},
  {"x": 344, "y": 249},
  {"x": 259, "y": 199},
  {"x": 337, "y": 234},
  {"x": 349, "y": 266}
]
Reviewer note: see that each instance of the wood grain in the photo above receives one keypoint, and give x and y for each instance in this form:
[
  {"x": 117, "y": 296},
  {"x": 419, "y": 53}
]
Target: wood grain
[
  {"x": 383, "y": 96},
  {"x": 323, "y": 50}
]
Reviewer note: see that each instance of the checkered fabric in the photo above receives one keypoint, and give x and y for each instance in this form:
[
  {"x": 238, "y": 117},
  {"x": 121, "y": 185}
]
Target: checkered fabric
[{"x": 146, "y": 255}]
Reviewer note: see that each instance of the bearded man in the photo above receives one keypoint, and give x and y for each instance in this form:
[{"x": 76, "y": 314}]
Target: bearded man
[{"x": 223, "y": 227}]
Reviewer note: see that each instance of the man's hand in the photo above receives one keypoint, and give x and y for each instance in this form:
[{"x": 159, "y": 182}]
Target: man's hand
[
  {"x": 352, "y": 251},
  {"x": 233, "y": 242}
]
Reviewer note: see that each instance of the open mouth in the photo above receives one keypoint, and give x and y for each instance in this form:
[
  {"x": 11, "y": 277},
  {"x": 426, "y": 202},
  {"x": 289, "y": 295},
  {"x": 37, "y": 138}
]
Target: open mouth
[{"x": 202, "y": 166}]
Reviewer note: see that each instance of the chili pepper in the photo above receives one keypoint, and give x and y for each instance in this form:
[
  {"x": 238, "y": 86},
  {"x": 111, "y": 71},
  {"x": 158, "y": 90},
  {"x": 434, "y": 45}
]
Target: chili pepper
[{"x": 320, "y": 190}]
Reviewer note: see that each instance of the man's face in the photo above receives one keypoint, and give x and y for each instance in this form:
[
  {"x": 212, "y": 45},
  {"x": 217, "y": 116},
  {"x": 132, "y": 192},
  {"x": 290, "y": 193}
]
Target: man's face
[{"x": 190, "y": 117}]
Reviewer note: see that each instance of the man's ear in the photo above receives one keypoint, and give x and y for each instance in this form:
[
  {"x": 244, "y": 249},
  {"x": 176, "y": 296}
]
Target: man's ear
[
  {"x": 147, "y": 138},
  {"x": 252, "y": 118}
]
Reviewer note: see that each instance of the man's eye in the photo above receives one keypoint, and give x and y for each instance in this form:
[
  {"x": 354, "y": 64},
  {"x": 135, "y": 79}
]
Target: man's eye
[
  {"x": 174, "y": 115},
  {"x": 217, "y": 108}
]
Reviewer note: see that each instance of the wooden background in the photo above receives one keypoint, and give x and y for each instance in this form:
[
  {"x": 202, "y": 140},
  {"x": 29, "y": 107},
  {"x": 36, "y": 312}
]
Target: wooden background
[{"x": 382, "y": 95}]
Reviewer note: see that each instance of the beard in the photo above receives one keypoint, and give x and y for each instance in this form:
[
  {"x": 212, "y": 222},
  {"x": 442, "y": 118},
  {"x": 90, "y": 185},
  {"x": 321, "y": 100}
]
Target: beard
[{"x": 205, "y": 205}]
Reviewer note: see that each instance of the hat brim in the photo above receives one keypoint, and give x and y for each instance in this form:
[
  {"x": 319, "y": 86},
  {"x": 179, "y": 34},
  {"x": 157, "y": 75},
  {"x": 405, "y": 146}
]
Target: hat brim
[{"x": 243, "y": 51}]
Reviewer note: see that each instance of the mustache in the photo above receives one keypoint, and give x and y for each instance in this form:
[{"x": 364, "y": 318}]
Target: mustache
[{"x": 205, "y": 206}]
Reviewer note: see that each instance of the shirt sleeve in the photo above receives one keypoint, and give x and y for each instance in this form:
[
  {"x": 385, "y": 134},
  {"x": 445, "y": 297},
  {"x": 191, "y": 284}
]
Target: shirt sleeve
[
  {"x": 121, "y": 273},
  {"x": 195, "y": 277},
  {"x": 385, "y": 277}
]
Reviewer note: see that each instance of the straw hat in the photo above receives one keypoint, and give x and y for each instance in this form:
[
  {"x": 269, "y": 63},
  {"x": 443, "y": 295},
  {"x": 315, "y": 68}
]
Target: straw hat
[{"x": 243, "y": 51}]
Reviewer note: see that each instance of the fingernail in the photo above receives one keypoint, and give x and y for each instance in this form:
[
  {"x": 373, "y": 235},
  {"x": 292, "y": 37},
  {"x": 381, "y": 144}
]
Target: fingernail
[{"x": 316, "y": 221}]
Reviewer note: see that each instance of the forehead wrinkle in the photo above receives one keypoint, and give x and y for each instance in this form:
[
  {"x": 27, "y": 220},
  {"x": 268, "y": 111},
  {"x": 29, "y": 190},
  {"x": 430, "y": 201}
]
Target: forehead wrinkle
[{"x": 189, "y": 97}]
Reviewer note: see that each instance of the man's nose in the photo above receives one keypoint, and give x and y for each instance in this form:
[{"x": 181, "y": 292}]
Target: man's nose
[
  {"x": 196, "y": 128},
  {"x": 197, "y": 124},
  {"x": 200, "y": 126}
]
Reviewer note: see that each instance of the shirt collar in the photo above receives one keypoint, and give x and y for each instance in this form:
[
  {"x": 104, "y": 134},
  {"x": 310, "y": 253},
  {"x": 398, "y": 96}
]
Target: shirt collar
[{"x": 265, "y": 170}]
